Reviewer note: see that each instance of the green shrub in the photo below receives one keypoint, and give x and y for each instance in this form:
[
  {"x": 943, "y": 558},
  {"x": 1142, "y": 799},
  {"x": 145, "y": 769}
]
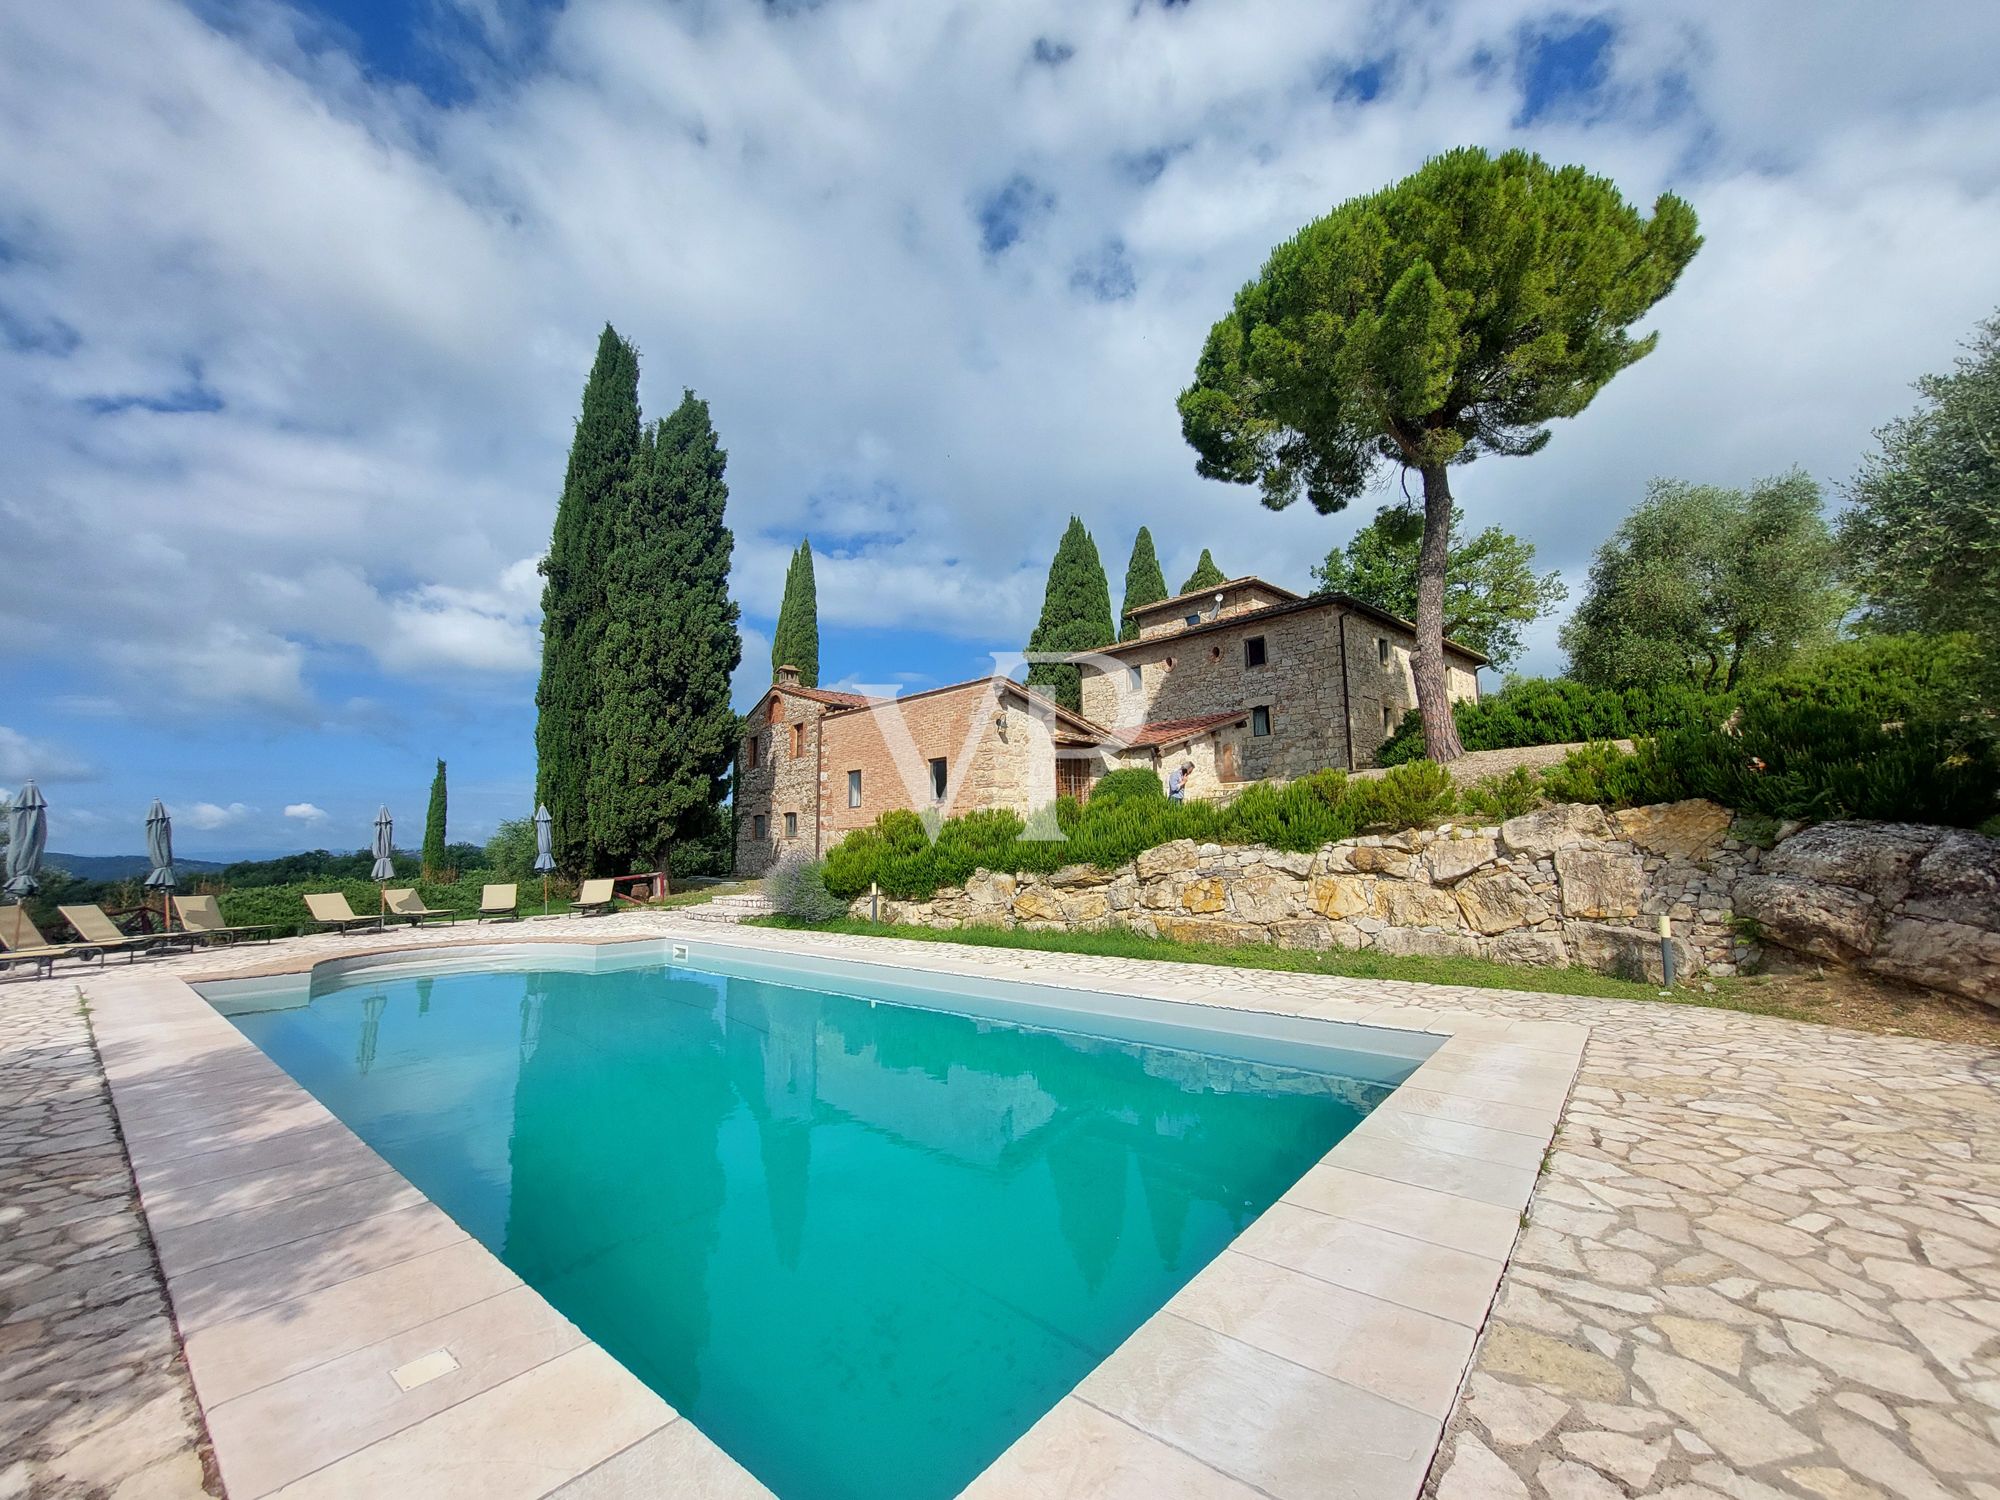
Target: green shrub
[
  {"x": 1300, "y": 816},
  {"x": 1803, "y": 757},
  {"x": 1134, "y": 782},
  {"x": 796, "y": 888},
  {"x": 1889, "y": 678},
  {"x": 1557, "y": 711},
  {"x": 1408, "y": 796},
  {"x": 1500, "y": 797},
  {"x": 1600, "y": 772}
]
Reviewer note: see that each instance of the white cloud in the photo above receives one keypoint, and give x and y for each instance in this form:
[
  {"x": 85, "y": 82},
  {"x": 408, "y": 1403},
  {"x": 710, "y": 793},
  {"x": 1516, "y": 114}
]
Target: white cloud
[
  {"x": 305, "y": 812},
  {"x": 208, "y": 816},
  {"x": 23, "y": 759},
  {"x": 395, "y": 304}
]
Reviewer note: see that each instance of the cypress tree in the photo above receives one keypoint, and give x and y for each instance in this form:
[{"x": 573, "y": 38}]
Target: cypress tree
[
  {"x": 1076, "y": 616},
  {"x": 662, "y": 733},
  {"x": 1206, "y": 575},
  {"x": 434, "y": 855},
  {"x": 1144, "y": 583},
  {"x": 795, "y": 643},
  {"x": 600, "y": 461}
]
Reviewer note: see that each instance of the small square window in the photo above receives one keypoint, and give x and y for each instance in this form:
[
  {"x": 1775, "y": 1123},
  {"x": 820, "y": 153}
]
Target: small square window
[
  {"x": 1253, "y": 651},
  {"x": 1382, "y": 649},
  {"x": 937, "y": 779},
  {"x": 853, "y": 788},
  {"x": 1194, "y": 619},
  {"x": 791, "y": 825},
  {"x": 757, "y": 828},
  {"x": 1260, "y": 722}
]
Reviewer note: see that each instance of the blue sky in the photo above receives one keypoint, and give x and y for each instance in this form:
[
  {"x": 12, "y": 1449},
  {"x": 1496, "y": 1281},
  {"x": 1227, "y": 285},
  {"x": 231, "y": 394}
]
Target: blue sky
[{"x": 296, "y": 303}]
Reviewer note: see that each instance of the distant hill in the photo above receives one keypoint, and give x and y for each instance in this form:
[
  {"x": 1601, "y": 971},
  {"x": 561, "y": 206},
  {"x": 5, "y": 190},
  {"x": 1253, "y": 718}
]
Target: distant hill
[{"x": 117, "y": 866}]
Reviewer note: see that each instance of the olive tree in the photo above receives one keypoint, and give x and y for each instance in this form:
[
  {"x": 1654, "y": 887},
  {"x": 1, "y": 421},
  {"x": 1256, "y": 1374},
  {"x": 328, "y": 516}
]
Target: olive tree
[{"x": 1454, "y": 313}]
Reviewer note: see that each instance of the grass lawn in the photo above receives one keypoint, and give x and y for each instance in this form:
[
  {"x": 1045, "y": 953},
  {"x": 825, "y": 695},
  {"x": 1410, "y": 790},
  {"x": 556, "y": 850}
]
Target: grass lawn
[
  {"x": 1827, "y": 997},
  {"x": 1477, "y": 973}
]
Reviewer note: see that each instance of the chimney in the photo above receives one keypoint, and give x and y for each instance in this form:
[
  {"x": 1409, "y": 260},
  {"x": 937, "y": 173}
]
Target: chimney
[{"x": 788, "y": 677}]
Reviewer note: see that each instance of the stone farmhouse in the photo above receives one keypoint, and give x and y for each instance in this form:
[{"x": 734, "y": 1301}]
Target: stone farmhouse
[{"x": 1246, "y": 681}]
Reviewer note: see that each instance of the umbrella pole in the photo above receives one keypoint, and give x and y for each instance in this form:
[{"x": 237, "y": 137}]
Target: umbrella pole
[{"x": 545, "y": 893}]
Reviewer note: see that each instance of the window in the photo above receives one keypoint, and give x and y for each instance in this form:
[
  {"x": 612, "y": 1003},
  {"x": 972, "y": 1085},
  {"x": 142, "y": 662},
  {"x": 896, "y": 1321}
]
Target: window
[
  {"x": 1382, "y": 649},
  {"x": 1253, "y": 651},
  {"x": 791, "y": 825},
  {"x": 750, "y": 753},
  {"x": 1388, "y": 719},
  {"x": 757, "y": 828},
  {"x": 1215, "y": 653},
  {"x": 1073, "y": 778},
  {"x": 937, "y": 779},
  {"x": 1260, "y": 721},
  {"x": 798, "y": 739},
  {"x": 1132, "y": 678},
  {"x": 1194, "y": 619},
  {"x": 853, "y": 788}
]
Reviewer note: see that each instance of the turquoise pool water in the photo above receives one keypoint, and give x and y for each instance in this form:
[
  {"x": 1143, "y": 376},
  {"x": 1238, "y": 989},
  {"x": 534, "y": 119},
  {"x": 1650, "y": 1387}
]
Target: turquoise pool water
[{"x": 863, "y": 1246}]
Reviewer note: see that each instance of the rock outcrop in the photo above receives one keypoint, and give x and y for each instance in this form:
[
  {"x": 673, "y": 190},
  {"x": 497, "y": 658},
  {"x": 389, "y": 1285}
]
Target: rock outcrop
[{"x": 1903, "y": 900}]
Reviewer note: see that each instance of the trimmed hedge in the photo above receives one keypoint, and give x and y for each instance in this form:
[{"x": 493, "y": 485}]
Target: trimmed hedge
[
  {"x": 1892, "y": 677},
  {"x": 1557, "y": 711}
]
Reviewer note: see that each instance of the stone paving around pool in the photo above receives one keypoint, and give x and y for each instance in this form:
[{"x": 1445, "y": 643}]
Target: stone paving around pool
[{"x": 1764, "y": 1259}]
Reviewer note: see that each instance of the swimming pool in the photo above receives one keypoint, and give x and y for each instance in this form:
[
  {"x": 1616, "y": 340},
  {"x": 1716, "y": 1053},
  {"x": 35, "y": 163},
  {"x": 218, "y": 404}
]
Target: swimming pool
[{"x": 862, "y": 1227}]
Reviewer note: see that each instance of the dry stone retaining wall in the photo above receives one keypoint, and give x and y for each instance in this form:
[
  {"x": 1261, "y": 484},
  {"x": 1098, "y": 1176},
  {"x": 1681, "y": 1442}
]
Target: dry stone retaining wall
[{"x": 1570, "y": 884}]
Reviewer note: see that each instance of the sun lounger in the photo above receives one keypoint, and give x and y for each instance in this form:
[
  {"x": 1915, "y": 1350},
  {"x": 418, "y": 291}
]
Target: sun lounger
[
  {"x": 97, "y": 929},
  {"x": 409, "y": 906},
  {"x": 201, "y": 916},
  {"x": 499, "y": 901},
  {"x": 593, "y": 896},
  {"x": 23, "y": 942},
  {"x": 331, "y": 910}
]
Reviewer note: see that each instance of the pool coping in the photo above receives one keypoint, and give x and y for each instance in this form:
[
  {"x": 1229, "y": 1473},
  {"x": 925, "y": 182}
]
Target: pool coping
[{"x": 1321, "y": 1353}]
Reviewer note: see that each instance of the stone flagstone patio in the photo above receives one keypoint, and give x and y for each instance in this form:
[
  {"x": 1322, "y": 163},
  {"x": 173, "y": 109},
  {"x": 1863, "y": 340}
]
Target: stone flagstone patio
[{"x": 1763, "y": 1260}]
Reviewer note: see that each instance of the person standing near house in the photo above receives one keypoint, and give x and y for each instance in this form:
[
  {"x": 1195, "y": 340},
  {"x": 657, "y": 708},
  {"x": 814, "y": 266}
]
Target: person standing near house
[{"x": 1177, "y": 781}]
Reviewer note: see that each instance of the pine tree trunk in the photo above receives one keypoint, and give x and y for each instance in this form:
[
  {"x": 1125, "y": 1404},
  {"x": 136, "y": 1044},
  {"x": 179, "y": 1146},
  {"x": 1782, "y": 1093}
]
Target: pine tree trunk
[{"x": 1433, "y": 699}]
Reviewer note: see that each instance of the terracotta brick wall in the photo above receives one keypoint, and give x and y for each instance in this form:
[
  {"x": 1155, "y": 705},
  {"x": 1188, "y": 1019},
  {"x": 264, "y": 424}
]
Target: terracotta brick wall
[{"x": 892, "y": 746}]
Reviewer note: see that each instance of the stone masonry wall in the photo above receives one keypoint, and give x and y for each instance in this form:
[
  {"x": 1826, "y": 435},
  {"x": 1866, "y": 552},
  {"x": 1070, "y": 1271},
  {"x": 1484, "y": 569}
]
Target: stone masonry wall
[
  {"x": 1190, "y": 673},
  {"x": 1563, "y": 885},
  {"x": 784, "y": 780}
]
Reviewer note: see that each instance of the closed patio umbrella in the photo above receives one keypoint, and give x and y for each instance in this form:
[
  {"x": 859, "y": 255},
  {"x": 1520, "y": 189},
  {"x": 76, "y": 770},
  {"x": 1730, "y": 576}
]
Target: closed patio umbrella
[
  {"x": 160, "y": 850},
  {"x": 384, "y": 869},
  {"x": 27, "y": 837},
  {"x": 545, "y": 860}
]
